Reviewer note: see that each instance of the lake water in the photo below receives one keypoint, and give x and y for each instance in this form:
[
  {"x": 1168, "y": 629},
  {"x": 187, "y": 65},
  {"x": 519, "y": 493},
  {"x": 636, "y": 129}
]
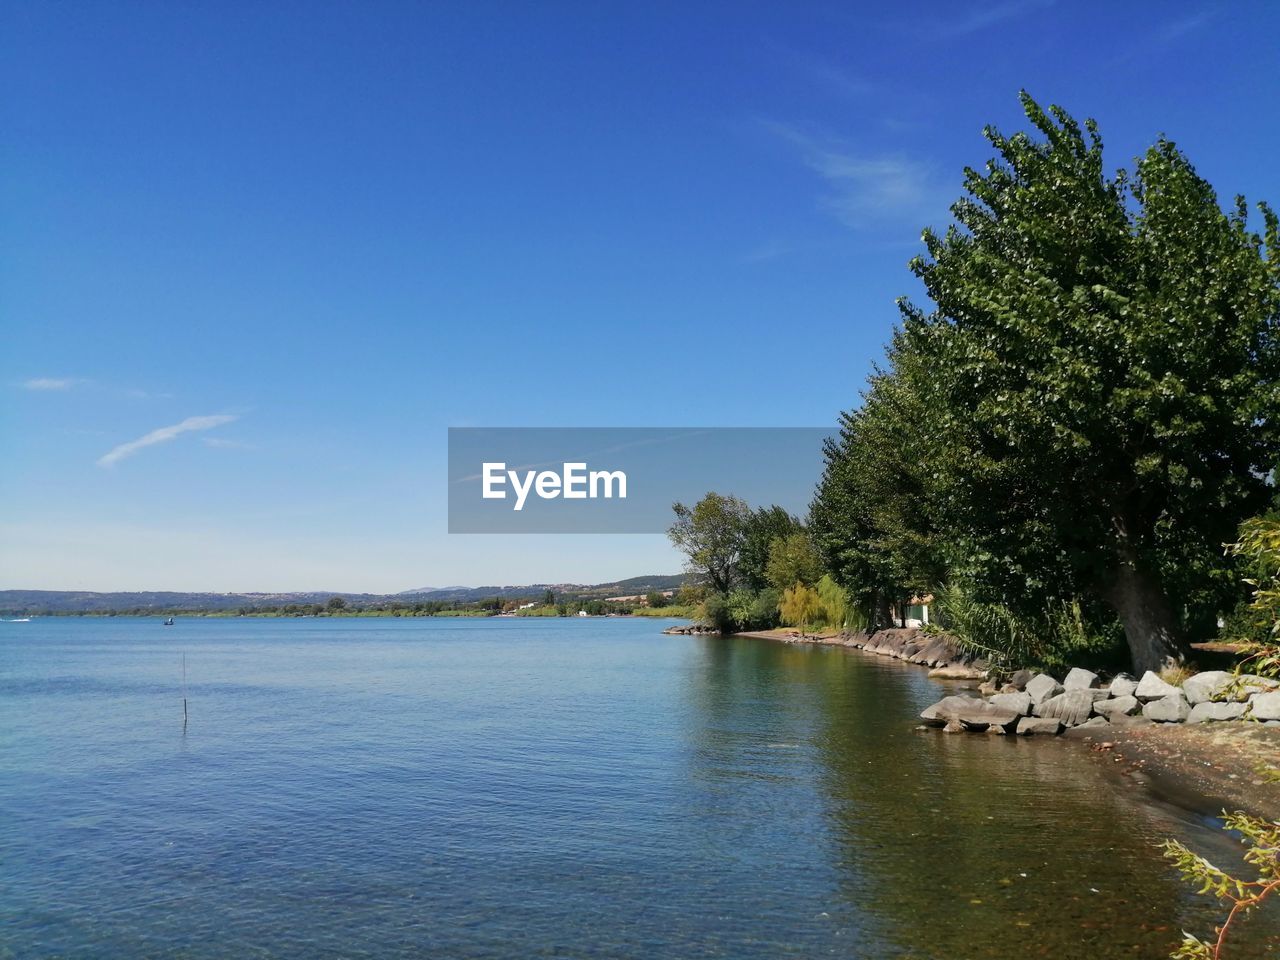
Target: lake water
[{"x": 545, "y": 788}]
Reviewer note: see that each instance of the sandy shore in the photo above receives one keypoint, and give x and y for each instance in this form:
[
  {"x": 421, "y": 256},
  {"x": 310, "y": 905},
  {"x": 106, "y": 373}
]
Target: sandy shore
[{"x": 1206, "y": 767}]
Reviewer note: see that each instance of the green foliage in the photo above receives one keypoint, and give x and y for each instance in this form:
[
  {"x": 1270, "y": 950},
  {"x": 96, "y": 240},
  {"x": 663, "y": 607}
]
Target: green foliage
[
  {"x": 799, "y": 605},
  {"x": 763, "y": 526},
  {"x": 1259, "y": 548},
  {"x": 336, "y": 603},
  {"x": 715, "y": 613},
  {"x": 833, "y": 601},
  {"x": 764, "y": 609},
  {"x": 871, "y": 518},
  {"x": 1062, "y": 634},
  {"x": 674, "y": 610},
  {"x": 793, "y": 559},
  {"x": 739, "y": 603},
  {"x": 1262, "y": 854},
  {"x": 691, "y": 595},
  {"x": 657, "y": 599},
  {"x": 710, "y": 534},
  {"x": 740, "y": 609}
]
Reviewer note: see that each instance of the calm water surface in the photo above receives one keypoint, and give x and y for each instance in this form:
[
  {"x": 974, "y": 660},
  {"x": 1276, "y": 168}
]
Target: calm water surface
[{"x": 544, "y": 788}]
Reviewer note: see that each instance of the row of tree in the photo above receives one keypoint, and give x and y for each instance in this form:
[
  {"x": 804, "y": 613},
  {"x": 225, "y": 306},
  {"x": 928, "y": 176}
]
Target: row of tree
[{"x": 1084, "y": 414}]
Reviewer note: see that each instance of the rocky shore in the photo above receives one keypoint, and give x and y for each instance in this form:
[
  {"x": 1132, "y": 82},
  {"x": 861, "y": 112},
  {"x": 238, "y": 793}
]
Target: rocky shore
[
  {"x": 1039, "y": 704},
  {"x": 936, "y": 651}
]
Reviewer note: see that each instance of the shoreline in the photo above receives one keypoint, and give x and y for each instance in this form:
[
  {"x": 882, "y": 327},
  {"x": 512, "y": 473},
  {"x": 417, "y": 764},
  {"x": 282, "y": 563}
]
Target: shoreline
[{"x": 1204, "y": 768}]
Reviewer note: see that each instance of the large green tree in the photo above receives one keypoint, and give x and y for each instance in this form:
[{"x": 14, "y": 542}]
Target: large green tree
[
  {"x": 710, "y": 534},
  {"x": 762, "y": 527},
  {"x": 871, "y": 516},
  {"x": 792, "y": 560},
  {"x": 1099, "y": 371}
]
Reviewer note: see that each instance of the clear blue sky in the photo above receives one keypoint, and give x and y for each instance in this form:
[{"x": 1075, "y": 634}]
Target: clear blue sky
[{"x": 350, "y": 225}]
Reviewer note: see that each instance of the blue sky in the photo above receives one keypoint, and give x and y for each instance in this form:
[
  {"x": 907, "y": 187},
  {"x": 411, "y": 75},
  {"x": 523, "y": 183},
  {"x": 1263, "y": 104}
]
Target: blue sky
[{"x": 288, "y": 245}]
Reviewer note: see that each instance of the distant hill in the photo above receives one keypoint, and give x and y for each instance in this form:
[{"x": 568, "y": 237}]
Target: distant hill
[
  {"x": 631, "y": 585},
  {"x": 26, "y": 602}
]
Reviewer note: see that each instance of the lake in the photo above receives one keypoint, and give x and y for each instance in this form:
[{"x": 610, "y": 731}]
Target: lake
[{"x": 579, "y": 788}]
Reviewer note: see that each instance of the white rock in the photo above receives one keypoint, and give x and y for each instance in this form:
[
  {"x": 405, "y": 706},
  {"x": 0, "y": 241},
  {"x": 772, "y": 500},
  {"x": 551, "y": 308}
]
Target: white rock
[
  {"x": 1042, "y": 686},
  {"x": 1205, "y": 686},
  {"x": 1207, "y": 710},
  {"x": 1118, "y": 706},
  {"x": 1080, "y": 679},
  {"x": 1171, "y": 709},
  {"x": 1123, "y": 686},
  {"x": 1072, "y": 707},
  {"x": 1265, "y": 706},
  {"x": 1029, "y": 726},
  {"x": 1252, "y": 683},
  {"x": 1019, "y": 702},
  {"x": 1151, "y": 687}
]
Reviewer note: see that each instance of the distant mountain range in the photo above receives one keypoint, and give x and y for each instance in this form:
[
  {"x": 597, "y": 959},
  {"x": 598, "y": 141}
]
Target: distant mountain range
[{"x": 27, "y": 602}]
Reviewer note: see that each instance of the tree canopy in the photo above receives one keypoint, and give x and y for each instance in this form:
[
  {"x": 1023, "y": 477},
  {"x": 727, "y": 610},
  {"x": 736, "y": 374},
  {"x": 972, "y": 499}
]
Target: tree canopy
[
  {"x": 1088, "y": 405},
  {"x": 711, "y": 535}
]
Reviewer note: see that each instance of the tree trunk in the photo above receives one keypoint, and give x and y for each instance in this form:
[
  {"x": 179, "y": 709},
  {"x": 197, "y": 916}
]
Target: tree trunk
[
  {"x": 1149, "y": 624},
  {"x": 883, "y": 616}
]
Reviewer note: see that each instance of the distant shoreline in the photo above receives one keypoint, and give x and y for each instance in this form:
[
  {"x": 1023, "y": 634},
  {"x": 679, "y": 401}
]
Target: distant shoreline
[{"x": 672, "y": 613}]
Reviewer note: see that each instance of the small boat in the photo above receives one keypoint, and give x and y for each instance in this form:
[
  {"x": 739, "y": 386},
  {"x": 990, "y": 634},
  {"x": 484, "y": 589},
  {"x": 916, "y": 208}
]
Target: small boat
[{"x": 169, "y": 622}]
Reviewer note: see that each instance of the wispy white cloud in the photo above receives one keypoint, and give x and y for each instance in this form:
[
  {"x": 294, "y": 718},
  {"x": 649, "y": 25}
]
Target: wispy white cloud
[
  {"x": 983, "y": 16},
  {"x": 827, "y": 74},
  {"x": 865, "y": 187},
  {"x": 51, "y": 383},
  {"x": 222, "y": 443},
  {"x": 1141, "y": 49},
  {"x": 163, "y": 435},
  {"x": 1176, "y": 29}
]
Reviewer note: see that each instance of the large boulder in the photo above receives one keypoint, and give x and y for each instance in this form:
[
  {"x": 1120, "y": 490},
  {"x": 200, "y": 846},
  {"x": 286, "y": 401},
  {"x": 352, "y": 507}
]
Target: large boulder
[
  {"x": 1078, "y": 678},
  {"x": 1205, "y": 686},
  {"x": 1207, "y": 710},
  {"x": 1171, "y": 709},
  {"x": 1221, "y": 685},
  {"x": 1072, "y": 707},
  {"x": 1251, "y": 683},
  {"x": 957, "y": 671},
  {"x": 1265, "y": 706},
  {"x": 1020, "y": 678},
  {"x": 1123, "y": 685},
  {"x": 1093, "y": 725},
  {"x": 1019, "y": 702},
  {"x": 1030, "y": 726},
  {"x": 1118, "y": 706},
  {"x": 1042, "y": 686},
  {"x": 974, "y": 712},
  {"x": 1151, "y": 687}
]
